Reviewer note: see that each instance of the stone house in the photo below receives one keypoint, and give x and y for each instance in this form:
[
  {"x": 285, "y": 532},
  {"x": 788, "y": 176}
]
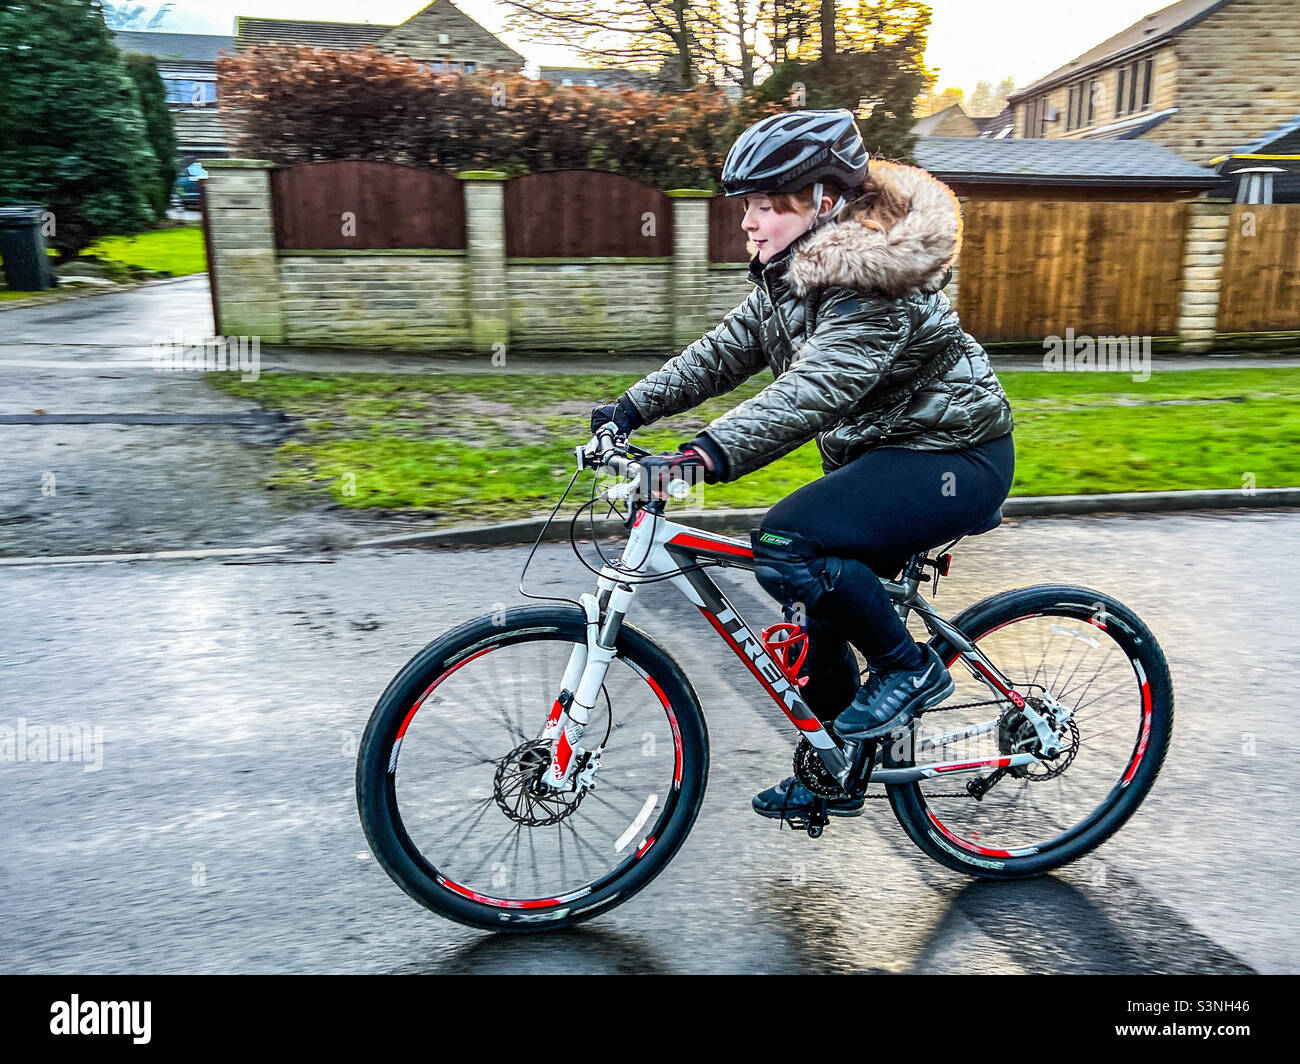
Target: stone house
[
  {"x": 952, "y": 121},
  {"x": 1201, "y": 77},
  {"x": 187, "y": 63},
  {"x": 440, "y": 34}
]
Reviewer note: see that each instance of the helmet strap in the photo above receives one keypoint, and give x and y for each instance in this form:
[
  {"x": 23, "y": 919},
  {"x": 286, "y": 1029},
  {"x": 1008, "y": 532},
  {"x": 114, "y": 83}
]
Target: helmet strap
[{"x": 820, "y": 219}]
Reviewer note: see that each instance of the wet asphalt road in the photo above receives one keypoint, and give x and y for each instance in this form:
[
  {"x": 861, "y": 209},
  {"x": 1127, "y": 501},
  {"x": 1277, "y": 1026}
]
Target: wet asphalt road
[
  {"x": 110, "y": 486},
  {"x": 221, "y": 835}
]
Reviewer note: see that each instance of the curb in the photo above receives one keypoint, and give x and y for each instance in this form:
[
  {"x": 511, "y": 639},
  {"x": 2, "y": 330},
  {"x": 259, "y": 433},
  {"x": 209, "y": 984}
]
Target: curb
[
  {"x": 525, "y": 531},
  {"x": 515, "y": 533}
]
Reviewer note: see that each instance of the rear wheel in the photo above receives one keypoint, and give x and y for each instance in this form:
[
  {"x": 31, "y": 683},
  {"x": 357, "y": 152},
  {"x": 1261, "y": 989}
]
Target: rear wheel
[
  {"x": 448, "y": 774},
  {"x": 1093, "y": 656}
]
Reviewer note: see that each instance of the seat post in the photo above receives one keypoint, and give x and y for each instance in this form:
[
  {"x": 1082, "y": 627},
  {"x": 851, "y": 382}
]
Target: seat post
[{"x": 909, "y": 580}]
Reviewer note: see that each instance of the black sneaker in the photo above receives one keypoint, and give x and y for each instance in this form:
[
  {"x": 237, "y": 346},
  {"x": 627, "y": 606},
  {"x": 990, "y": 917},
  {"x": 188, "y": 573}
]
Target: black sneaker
[
  {"x": 790, "y": 798},
  {"x": 893, "y": 698}
]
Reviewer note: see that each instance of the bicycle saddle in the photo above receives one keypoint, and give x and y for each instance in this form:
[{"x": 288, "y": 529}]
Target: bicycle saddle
[{"x": 988, "y": 524}]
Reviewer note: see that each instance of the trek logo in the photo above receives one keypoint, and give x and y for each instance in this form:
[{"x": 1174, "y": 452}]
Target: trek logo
[{"x": 766, "y": 667}]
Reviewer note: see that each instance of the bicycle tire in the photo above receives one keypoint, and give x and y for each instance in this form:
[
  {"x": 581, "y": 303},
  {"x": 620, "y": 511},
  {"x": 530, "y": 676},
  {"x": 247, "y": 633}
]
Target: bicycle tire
[
  {"x": 419, "y": 877},
  {"x": 1151, "y": 745}
]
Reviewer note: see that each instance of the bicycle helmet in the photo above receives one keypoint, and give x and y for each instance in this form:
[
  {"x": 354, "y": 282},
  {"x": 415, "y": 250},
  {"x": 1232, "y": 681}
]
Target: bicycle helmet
[{"x": 786, "y": 152}]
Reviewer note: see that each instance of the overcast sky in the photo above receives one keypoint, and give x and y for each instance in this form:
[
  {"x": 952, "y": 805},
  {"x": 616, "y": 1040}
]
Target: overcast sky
[{"x": 969, "y": 39}]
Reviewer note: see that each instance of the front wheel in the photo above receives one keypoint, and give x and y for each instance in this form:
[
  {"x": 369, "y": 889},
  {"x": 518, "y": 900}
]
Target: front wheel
[
  {"x": 1092, "y": 655},
  {"x": 449, "y": 769}
]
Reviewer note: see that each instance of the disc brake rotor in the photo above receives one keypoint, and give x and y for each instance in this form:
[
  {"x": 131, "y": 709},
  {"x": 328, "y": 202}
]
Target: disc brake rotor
[{"x": 520, "y": 793}]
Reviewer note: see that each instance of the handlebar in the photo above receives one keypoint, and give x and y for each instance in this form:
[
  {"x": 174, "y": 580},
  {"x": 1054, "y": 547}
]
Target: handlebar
[{"x": 607, "y": 451}]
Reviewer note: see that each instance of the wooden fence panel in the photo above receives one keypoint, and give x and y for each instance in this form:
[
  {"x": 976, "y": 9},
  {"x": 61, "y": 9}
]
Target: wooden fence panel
[
  {"x": 586, "y": 214},
  {"x": 726, "y": 238},
  {"x": 1260, "y": 290},
  {"x": 393, "y": 206},
  {"x": 1033, "y": 269}
]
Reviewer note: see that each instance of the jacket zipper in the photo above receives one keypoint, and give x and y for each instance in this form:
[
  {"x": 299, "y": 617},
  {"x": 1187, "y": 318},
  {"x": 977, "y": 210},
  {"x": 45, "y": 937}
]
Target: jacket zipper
[{"x": 780, "y": 322}]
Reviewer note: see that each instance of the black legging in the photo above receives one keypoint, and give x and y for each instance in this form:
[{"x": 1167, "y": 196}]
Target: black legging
[{"x": 868, "y": 517}]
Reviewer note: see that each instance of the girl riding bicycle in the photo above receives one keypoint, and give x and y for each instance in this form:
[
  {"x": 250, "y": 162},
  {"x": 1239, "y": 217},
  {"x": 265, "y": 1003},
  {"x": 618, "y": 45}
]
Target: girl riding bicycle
[{"x": 870, "y": 360}]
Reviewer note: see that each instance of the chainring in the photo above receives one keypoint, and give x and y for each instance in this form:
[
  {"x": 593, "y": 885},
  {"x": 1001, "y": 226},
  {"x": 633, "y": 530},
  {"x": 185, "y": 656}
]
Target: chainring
[{"x": 810, "y": 771}]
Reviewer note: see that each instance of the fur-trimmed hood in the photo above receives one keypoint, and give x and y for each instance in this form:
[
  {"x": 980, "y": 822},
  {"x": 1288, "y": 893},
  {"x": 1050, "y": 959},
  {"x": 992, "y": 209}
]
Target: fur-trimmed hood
[{"x": 912, "y": 256}]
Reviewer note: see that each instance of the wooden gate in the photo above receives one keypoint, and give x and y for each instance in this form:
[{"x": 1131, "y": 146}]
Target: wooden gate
[
  {"x": 362, "y": 205},
  {"x": 586, "y": 214},
  {"x": 1260, "y": 290},
  {"x": 1033, "y": 269}
]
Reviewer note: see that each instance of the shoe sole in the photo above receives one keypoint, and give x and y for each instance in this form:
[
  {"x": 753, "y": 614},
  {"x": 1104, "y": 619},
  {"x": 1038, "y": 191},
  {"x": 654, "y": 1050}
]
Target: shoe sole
[
  {"x": 776, "y": 814},
  {"x": 881, "y": 730}
]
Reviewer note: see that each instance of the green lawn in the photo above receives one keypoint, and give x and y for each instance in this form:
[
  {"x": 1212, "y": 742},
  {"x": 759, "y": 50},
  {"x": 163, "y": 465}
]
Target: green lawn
[
  {"x": 477, "y": 446},
  {"x": 176, "y": 251},
  {"x": 173, "y": 252}
]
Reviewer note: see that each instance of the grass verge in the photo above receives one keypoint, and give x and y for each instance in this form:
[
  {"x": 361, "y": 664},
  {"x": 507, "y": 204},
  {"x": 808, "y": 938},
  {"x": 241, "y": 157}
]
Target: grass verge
[
  {"x": 473, "y": 447},
  {"x": 176, "y": 251}
]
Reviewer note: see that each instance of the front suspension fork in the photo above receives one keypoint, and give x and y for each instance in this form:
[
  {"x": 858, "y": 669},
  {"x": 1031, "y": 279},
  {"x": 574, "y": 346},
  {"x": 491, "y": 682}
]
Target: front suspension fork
[{"x": 584, "y": 676}]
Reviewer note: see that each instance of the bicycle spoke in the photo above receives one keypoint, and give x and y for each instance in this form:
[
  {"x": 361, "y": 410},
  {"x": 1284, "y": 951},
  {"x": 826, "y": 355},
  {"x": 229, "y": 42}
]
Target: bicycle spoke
[
  {"x": 491, "y": 705},
  {"x": 1095, "y": 681}
]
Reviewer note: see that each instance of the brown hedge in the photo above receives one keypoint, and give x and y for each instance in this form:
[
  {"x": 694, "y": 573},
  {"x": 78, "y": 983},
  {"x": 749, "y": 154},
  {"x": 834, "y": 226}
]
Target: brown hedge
[{"x": 290, "y": 104}]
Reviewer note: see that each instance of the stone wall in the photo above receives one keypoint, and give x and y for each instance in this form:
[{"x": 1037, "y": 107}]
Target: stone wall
[
  {"x": 353, "y": 299},
  {"x": 478, "y": 301},
  {"x": 594, "y": 304},
  {"x": 475, "y": 300}
]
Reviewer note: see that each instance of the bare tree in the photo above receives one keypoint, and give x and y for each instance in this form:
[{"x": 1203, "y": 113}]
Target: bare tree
[{"x": 670, "y": 36}]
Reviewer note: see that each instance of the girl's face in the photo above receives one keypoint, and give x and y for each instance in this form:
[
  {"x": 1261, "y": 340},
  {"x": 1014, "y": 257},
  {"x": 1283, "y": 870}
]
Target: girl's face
[{"x": 772, "y": 232}]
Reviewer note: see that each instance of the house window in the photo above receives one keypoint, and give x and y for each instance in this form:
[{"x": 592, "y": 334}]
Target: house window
[
  {"x": 437, "y": 66},
  {"x": 443, "y": 39},
  {"x": 469, "y": 68},
  {"x": 191, "y": 90},
  {"x": 1094, "y": 90},
  {"x": 1134, "y": 87},
  {"x": 1080, "y": 111},
  {"x": 1036, "y": 117}
]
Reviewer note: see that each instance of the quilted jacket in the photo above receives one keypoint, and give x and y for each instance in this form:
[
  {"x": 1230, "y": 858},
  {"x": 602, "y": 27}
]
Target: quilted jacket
[{"x": 842, "y": 316}]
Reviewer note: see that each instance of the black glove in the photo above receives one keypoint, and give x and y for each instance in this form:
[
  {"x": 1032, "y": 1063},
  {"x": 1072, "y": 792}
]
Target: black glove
[
  {"x": 658, "y": 469},
  {"x": 717, "y": 468},
  {"x": 622, "y": 413}
]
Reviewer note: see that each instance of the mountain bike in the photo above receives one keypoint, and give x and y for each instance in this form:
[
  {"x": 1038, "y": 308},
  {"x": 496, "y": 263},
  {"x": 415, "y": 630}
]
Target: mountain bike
[{"x": 536, "y": 767}]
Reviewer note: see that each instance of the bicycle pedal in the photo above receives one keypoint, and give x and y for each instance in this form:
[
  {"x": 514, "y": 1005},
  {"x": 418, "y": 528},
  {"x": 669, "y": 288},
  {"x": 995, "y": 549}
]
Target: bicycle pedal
[{"x": 814, "y": 823}]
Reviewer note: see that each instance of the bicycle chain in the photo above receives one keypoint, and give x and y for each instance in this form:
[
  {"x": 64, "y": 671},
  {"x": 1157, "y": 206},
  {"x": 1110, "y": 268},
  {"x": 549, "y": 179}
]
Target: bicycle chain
[{"x": 944, "y": 709}]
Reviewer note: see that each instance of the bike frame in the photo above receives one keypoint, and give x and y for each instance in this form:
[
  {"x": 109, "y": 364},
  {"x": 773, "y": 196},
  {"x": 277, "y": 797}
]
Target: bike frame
[{"x": 660, "y": 548}]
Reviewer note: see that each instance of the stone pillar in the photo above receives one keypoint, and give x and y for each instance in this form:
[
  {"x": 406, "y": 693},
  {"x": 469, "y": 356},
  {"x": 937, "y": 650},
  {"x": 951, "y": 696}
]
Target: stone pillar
[
  {"x": 241, "y": 235},
  {"x": 690, "y": 275},
  {"x": 1198, "y": 301},
  {"x": 485, "y": 233}
]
